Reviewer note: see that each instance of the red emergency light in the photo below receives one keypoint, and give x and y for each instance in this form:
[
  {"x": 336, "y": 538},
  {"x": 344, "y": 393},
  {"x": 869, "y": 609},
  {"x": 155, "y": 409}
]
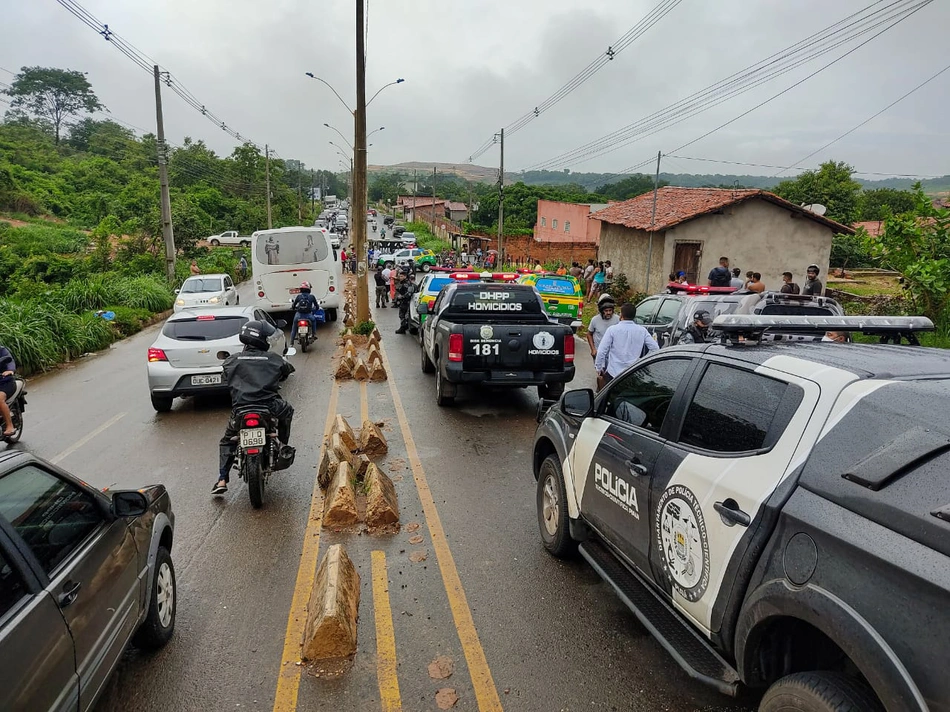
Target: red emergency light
[{"x": 674, "y": 287}]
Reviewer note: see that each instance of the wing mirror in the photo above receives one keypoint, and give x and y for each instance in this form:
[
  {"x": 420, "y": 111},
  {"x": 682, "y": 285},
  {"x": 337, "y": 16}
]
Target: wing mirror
[
  {"x": 281, "y": 323},
  {"x": 177, "y": 291},
  {"x": 129, "y": 503},
  {"x": 579, "y": 403},
  {"x": 423, "y": 308}
]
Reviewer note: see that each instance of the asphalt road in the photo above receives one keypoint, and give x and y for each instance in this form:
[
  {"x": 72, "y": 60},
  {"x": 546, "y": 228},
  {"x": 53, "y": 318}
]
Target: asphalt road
[{"x": 520, "y": 627}]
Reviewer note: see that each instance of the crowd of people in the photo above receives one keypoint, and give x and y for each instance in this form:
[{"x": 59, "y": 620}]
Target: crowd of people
[{"x": 723, "y": 276}]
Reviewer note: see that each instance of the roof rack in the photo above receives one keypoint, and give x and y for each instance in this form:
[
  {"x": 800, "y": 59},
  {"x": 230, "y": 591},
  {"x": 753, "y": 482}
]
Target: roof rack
[{"x": 889, "y": 328}]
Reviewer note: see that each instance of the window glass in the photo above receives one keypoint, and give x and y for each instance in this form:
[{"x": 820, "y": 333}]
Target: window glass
[
  {"x": 642, "y": 397},
  {"x": 554, "y": 223},
  {"x": 668, "y": 311},
  {"x": 207, "y": 328},
  {"x": 732, "y": 410},
  {"x": 646, "y": 310},
  {"x": 195, "y": 285},
  {"x": 552, "y": 285},
  {"x": 51, "y": 515},
  {"x": 567, "y": 226},
  {"x": 435, "y": 286},
  {"x": 12, "y": 588},
  {"x": 228, "y": 283},
  {"x": 292, "y": 248},
  {"x": 544, "y": 222}
]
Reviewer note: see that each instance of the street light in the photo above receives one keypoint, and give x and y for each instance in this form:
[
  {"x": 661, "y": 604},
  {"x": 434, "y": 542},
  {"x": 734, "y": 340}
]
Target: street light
[
  {"x": 372, "y": 132},
  {"x": 398, "y": 81},
  {"x": 341, "y": 135},
  {"x": 324, "y": 81},
  {"x": 340, "y": 150}
]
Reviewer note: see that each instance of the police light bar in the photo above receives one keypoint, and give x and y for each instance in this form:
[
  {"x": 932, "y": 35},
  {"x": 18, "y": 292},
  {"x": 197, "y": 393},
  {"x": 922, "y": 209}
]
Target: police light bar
[
  {"x": 487, "y": 276},
  {"x": 674, "y": 287},
  {"x": 735, "y": 323}
]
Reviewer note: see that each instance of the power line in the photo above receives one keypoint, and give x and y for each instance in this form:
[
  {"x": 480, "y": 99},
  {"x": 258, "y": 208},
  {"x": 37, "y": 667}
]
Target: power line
[
  {"x": 827, "y": 40},
  {"x": 870, "y": 118},
  {"x": 634, "y": 33},
  {"x": 792, "y": 167}
]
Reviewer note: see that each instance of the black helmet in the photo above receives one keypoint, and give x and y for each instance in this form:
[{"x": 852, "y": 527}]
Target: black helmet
[
  {"x": 604, "y": 301},
  {"x": 703, "y": 317},
  {"x": 813, "y": 268},
  {"x": 256, "y": 334}
]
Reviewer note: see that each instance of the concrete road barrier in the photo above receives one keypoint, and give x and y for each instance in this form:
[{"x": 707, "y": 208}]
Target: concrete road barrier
[
  {"x": 333, "y": 609},
  {"x": 343, "y": 429},
  {"x": 362, "y": 465},
  {"x": 329, "y": 464},
  {"x": 372, "y": 440},
  {"x": 340, "y": 508},
  {"x": 360, "y": 371},
  {"x": 377, "y": 372},
  {"x": 342, "y": 451},
  {"x": 382, "y": 505}
]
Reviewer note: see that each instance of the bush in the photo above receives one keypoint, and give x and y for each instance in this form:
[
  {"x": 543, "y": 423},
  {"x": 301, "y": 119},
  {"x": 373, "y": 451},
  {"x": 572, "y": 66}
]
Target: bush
[
  {"x": 129, "y": 321},
  {"x": 364, "y": 328},
  {"x": 142, "y": 292}
]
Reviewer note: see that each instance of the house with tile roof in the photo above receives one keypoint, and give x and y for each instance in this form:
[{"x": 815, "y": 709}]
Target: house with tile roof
[{"x": 691, "y": 228}]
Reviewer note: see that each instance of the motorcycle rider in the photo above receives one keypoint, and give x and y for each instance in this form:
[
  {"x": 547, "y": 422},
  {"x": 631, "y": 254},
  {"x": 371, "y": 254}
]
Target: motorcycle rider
[
  {"x": 697, "y": 332},
  {"x": 404, "y": 289},
  {"x": 254, "y": 377},
  {"x": 7, "y": 389},
  {"x": 304, "y": 306}
]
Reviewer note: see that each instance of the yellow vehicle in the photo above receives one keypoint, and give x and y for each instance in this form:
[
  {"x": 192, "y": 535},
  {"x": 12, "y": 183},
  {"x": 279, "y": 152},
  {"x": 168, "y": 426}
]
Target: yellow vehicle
[{"x": 563, "y": 296}]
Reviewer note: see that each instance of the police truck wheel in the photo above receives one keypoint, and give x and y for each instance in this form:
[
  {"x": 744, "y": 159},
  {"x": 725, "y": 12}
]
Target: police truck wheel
[
  {"x": 552, "y": 509},
  {"x": 444, "y": 391},
  {"x": 427, "y": 365},
  {"x": 820, "y": 692},
  {"x": 551, "y": 391}
]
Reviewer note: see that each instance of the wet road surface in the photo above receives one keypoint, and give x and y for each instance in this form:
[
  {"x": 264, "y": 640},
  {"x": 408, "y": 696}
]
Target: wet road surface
[{"x": 524, "y": 630}]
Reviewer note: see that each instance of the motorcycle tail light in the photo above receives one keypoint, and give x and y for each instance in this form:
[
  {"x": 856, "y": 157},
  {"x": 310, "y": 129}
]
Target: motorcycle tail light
[
  {"x": 569, "y": 348},
  {"x": 455, "y": 347},
  {"x": 253, "y": 451},
  {"x": 156, "y": 355},
  {"x": 303, "y": 322},
  {"x": 252, "y": 420}
]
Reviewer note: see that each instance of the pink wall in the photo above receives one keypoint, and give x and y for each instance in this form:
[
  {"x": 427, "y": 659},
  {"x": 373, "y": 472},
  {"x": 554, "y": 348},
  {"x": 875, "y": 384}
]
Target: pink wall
[{"x": 582, "y": 228}]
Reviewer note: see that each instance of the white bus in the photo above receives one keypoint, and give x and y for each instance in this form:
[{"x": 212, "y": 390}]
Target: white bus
[{"x": 283, "y": 258}]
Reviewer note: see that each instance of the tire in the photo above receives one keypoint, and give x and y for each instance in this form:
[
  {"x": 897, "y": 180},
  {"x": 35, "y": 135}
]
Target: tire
[
  {"x": 444, "y": 391},
  {"x": 426, "y": 267},
  {"x": 162, "y": 404},
  {"x": 427, "y": 365},
  {"x": 820, "y": 692},
  {"x": 552, "y": 509},
  {"x": 304, "y": 345},
  {"x": 255, "y": 480},
  {"x": 215, "y": 243},
  {"x": 17, "y": 415},
  {"x": 331, "y": 314},
  {"x": 159, "y": 623},
  {"x": 245, "y": 243},
  {"x": 551, "y": 391},
  {"x": 237, "y": 301}
]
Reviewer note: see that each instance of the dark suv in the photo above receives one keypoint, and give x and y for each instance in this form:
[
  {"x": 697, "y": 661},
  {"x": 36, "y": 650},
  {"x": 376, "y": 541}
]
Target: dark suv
[
  {"x": 82, "y": 573},
  {"x": 668, "y": 316},
  {"x": 776, "y": 514}
]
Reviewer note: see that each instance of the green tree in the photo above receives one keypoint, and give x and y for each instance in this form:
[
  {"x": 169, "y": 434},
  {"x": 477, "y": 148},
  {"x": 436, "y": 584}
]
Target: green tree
[
  {"x": 917, "y": 244},
  {"x": 629, "y": 187},
  {"x": 831, "y": 186},
  {"x": 53, "y": 95},
  {"x": 877, "y": 204}
]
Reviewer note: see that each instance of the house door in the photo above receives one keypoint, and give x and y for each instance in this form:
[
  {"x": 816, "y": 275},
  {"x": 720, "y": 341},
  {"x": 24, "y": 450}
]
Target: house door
[{"x": 686, "y": 259}]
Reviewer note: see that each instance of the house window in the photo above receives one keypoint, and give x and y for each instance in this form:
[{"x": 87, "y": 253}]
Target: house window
[
  {"x": 554, "y": 223},
  {"x": 544, "y": 222},
  {"x": 567, "y": 226}
]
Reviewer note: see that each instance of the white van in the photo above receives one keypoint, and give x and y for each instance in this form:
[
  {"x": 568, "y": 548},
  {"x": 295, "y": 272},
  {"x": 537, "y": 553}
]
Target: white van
[{"x": 283, "y": 258}]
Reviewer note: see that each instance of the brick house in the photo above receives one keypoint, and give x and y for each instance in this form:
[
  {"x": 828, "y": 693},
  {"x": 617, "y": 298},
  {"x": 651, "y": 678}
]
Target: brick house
[
  {"x": 567, "y": 222},
  {"x": 455, "y": 211},
  {"x": 694, "y": 227},
  {"x": 421, "y": 209}
]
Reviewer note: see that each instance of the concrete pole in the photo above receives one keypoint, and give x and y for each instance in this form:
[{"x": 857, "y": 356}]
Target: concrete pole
[
  {"x": 313, "y": 197},
  {"x": 358, "y": 213},
  {"x": 270, "y": 222},
  {"x": 168, "y": 233},
  {"x": 432, "y": 214},
  {"x": 656, "y": 187},
  {"x": 501, "y": 204}
]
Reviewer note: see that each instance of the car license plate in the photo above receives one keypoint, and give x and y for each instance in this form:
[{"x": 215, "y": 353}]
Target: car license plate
[
  {"x": 206, "y": 380},
  {"x": 303, "y": 330},
  {"x": 252, "y": 437}
]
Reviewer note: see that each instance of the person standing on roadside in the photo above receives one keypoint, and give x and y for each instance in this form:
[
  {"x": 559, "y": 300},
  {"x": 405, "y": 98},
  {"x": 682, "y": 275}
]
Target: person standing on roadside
[
  {"x": 195, "y": 269},
  {"x": 576, "y": 271},
  {"x": 622, "y": 345},
  {"x": 381, "y": 291},
  {"x": 720, "y": 276},
  {"x": 813, "y": 285},
  {"x": 756, "y": 284},
  {"x": 601, "y": 322},
  {"x": 343, "y": 259},
  {"x": 242, "y": 267},
  {"x": 7, "y": 389},
  {"x": 788, "y": 286},
  {"x": 387, "y": 274},
  {"x": 736, "y": 282}
]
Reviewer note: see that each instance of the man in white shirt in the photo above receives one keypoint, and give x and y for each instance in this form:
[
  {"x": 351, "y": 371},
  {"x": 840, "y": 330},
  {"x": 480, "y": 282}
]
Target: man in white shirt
[{"x": 622, "y": 345}]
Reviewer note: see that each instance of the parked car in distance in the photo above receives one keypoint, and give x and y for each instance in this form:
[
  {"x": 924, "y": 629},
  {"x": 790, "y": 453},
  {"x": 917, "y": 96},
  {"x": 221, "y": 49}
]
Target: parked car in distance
[
  {"x": 320, "y": 222},
  {"x": 423, "y": 259},
  {"x": 206, "y": 291},
  {"x": 82, "y": 574},
  {"x": 563, "y": 296},
  {"x": 229, "y": 237},
  {"x": 183, "y": 360}
]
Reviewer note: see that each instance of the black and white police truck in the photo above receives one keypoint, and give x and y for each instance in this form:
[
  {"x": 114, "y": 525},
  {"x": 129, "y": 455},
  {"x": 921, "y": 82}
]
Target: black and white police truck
[{"x": 776, "y": 513}]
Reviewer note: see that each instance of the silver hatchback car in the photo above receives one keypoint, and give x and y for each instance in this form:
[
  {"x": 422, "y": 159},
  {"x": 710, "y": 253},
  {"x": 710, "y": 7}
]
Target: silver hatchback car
[
  {"x": 206, "y": 291},
  {"x": 183, "y": 359}
]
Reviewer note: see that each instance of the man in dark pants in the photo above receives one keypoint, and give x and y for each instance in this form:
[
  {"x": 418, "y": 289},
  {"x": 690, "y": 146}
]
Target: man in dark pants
[
  {"x": 403, "y": 295},
  {"x": 382, "y": 288},
  {"x": 254, "y": 377}
]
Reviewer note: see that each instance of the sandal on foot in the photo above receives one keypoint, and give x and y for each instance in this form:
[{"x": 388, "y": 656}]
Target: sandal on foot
[{"x": 220, "y": 488}]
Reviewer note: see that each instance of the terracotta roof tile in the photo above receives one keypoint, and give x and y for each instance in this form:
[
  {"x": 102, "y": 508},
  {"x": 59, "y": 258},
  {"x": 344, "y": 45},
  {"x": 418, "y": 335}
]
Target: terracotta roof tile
[
  {"x": 874, "y": 228},
  {"x": 677, "y": 205},
  {"x": 452, "y": 205}
]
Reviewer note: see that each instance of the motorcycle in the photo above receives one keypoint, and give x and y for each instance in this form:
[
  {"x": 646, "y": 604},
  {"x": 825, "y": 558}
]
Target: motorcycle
[
  {"x": 306, "y": 328},
  {"x": 259, "y": 452},
  {"x": 17, "y": 404}
]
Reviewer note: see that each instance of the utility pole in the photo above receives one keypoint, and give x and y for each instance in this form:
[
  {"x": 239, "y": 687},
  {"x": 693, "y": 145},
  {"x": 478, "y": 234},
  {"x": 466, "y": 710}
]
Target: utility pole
[
  {"x": 433, "y": 199},
  {"x": 313, "y": 196},
  {"x": 299, "y": 208},
  {"x": 167, "y": 231},
  {"x": 358, "y": 214},
  {"x": 656, "y": 187},
  {"x": 501, "y": 203},
  {"x": 270, "y": 223}
]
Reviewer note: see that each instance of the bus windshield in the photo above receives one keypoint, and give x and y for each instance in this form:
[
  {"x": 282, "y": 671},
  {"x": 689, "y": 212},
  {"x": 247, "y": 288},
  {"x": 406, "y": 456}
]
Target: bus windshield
[{"x": 292, "y": 248}]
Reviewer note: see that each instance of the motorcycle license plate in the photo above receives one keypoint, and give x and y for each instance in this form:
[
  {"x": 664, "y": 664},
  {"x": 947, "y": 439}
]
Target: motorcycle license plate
[
  {"x": 206, "y": 380},
  {"x": 252, "y": 437},
  {"x": 303, "y": 330},
  {"x": 295, "y": 290}
]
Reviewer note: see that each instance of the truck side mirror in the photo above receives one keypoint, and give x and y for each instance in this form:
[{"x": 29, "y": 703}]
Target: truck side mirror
[{"x": 423, "y": 308}]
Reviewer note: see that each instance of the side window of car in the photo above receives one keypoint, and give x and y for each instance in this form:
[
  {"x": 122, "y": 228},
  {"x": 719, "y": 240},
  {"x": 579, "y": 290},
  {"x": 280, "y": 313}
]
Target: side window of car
[
  {"x": 228, "y": 283},
  {"x": 668, "y": 311},
  {"x": 12, "y": 586},
  {"x": 642, "y": 397},
  {"x": 733, "y": 410},
  {"x": 52, "y": 515},
  {"x": 646, "y": 310}
]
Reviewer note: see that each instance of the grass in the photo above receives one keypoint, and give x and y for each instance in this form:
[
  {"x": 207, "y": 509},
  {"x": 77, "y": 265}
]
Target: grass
[{"x": 868, "y": 286}]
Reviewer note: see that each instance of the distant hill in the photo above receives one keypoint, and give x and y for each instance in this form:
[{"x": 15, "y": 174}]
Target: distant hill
[{"x": 484, "y": 174}]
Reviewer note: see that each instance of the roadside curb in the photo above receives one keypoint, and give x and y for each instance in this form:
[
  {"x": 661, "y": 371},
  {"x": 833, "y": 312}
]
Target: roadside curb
[{"x": 333, "y": 610}]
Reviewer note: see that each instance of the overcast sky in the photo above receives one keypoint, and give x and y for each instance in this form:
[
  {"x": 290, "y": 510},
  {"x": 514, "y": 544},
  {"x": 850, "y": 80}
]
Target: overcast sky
[{"x": 472, "y": 66}]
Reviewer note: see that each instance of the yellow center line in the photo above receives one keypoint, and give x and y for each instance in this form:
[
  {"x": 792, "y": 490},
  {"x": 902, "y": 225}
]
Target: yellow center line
[
  {"x": 482, "y": 682},
  {"x": 82, "y": 441},
  {"x": 364, "y": 403},
  {"x": 385, "y": 637},
  {"x": 288, "y": 679}
]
